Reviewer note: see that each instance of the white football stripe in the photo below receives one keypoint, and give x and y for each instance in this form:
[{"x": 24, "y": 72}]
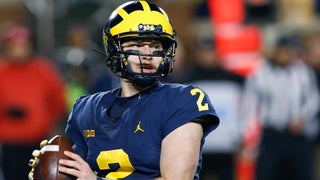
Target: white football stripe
[{"x": 51, "y": 148}]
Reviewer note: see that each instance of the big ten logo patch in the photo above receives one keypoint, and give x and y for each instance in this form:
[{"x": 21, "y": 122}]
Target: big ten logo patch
[{"x": 89, "y": 133}]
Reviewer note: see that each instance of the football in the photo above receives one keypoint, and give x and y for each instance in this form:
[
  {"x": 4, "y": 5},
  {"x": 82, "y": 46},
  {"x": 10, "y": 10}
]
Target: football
[{"x": 45, "y": 162}]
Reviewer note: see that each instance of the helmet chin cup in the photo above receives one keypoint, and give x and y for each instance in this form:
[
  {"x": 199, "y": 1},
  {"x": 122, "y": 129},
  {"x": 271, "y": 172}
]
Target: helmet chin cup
[{"x": 142, "y": 81}]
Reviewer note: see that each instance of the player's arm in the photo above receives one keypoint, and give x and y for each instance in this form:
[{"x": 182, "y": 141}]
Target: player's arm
[{"x": 180, "y": 152}]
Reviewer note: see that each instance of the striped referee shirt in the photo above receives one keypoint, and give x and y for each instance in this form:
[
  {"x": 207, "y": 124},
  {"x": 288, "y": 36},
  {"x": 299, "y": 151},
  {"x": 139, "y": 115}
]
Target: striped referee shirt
[{"x": 276, "y": 95}]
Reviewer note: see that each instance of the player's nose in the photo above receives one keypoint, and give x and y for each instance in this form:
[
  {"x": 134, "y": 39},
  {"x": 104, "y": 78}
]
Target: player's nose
[{"x": 146, "y": 49}]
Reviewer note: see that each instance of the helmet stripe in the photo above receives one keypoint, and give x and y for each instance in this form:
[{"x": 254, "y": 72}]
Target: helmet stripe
[
  {"x": 137, "y": 6},
  {"x": 123, "y": 13},
  {"x": 145, "y": 5}
]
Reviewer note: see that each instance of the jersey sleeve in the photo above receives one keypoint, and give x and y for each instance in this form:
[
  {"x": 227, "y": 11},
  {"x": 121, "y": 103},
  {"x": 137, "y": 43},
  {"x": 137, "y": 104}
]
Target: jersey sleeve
[
  {"x": 73, "y": 131},
  {"x": 190, "y": 103}
]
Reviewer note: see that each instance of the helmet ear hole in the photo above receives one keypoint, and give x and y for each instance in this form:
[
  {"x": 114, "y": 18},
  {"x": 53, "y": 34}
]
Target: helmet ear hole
[{"x": 115, "y": 65}]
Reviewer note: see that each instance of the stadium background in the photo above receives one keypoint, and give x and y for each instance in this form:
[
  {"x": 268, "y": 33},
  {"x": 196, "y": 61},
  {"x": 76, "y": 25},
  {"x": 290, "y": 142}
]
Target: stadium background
[{"x": 228, "y": 22}]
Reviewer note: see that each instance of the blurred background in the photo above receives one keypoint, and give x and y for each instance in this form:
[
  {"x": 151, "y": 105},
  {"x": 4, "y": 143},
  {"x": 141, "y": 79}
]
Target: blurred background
[
  {"x": 238, "y": 35},
  {"x": 257, "y": 22}
]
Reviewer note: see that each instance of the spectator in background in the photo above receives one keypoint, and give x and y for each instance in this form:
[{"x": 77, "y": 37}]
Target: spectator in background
[
  {"x": 73, "y": 62},
  {"x": 312, "y": 58},
  {"x": 84, "y": 69},
  {"x": 32, "y": 101},
  {"x": 77, "y": 77},
  {"x": 284, "y": 96},
  {"x": 224, "y": 89}
]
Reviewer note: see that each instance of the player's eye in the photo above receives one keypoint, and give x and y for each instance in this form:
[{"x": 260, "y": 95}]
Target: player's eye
[
  {"x": 131, "y": 46},
  {"x": 137, "y": 45},
  {"x": 157, "y": 46}
]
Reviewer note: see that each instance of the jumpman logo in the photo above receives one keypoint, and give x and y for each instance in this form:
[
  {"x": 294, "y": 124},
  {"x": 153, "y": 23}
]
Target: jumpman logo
[{"x": 138, "y": 128}]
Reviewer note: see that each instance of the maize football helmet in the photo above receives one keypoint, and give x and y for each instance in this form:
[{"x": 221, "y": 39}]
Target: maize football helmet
[{"x": 136, "y": 20}]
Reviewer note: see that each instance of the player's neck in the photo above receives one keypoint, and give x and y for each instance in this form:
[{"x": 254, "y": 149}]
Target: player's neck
[{"x": 128, "y": 89}]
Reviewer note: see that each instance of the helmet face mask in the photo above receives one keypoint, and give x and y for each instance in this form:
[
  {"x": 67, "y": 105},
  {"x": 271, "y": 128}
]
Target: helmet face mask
[{"x": 138, "y": 20}]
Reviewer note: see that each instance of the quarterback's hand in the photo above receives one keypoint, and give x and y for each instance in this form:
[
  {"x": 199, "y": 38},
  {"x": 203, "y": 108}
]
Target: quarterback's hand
[{"x": 76, "y": 167}]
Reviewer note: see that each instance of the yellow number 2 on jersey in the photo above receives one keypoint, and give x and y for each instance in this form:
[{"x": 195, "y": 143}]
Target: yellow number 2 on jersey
[
  {"x": 201, "y": 106},
  {"x": 117, "y": 156}
]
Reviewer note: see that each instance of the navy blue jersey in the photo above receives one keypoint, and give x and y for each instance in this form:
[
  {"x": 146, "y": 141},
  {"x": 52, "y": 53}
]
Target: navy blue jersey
[{"x": 129, "y": 146}]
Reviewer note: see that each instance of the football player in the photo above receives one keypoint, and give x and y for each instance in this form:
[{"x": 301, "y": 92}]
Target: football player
[{"x": 144, "y": 129}]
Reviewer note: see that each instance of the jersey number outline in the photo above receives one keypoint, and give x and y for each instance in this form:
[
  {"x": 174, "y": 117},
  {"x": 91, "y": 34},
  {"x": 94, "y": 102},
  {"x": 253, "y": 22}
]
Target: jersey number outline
[
  {"x": 117, "y": 156},
  {"x": 201, "y": 106}
]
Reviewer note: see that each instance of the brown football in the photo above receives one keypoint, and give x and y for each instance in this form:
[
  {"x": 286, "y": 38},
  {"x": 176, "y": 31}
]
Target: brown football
[{"x": 45, "y": 165}]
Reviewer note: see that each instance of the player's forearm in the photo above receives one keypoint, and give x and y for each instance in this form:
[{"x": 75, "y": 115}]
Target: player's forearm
[
  {"x": 181, "y": 178},
  {"x": 183, "y": 175}
]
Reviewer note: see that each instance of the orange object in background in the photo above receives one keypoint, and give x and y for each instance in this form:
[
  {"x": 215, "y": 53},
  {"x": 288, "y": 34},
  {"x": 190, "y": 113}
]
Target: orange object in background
[
  {"x": 246, "y": 157},
  {"x": 238, "y": 46},
  {"x": 245, "y": 169},
  {"x": 237, "y": 38},
  {"x": 226, "y": 11}
]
